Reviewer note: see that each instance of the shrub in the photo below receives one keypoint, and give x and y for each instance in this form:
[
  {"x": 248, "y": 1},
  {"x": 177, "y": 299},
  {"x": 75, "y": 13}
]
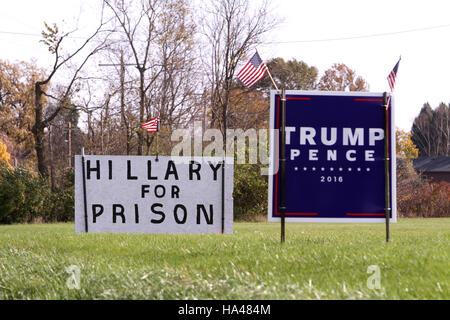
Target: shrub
[
  {"x": 250, "y": 191},
  {"x": 22, "y": 195},
  {"x": 27, "y": 197},
  {"x": 60, "y": 206},
  {"x": 417, "y": 197},
  {"x": 428, "y": 200}
]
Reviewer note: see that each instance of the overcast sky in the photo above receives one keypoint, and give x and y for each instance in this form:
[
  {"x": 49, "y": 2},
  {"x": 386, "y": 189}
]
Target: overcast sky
[{"x": 374, "y": 34}]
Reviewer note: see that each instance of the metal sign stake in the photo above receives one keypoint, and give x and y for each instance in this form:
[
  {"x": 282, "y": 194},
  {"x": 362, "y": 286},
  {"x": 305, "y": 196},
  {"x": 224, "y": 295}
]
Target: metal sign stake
[
  {"x": 84, "y": 191},
  {"x": 386, "y": 162},
  {"x": 283, "y": 165}
]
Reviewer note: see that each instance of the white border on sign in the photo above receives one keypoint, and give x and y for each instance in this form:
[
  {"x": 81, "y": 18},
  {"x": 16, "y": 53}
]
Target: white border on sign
[{"x": 272, "y": 163}]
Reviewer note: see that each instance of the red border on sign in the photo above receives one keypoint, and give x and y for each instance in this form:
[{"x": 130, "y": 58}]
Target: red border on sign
[{"x": 365, "y": 214}]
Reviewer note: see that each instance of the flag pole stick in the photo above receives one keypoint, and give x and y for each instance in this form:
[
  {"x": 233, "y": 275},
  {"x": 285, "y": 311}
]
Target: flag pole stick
[
  {"x": 157, "y": 146},
  {"x": 223, "y": 192},
  {"x": 275, "y": 85},
  {"x": 157, "y": 142},
  {"x": 387, "y": 159},
  {"x": 270, "y": 75}
]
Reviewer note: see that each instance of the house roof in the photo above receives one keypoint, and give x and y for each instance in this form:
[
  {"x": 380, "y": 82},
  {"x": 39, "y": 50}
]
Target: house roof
[{"x": 432, "y": 164}]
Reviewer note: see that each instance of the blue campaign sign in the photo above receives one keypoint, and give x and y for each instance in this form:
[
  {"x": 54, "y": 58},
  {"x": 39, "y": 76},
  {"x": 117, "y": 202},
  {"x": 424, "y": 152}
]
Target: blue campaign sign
[{"x": 335, "y": 168}]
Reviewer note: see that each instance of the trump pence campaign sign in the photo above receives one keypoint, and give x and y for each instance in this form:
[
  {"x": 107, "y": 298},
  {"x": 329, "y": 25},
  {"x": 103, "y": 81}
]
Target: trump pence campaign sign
[{"x": 335, "y": 161}]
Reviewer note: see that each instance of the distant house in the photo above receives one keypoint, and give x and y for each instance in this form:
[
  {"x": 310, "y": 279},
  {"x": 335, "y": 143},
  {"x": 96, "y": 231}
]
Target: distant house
[{"x": 434, "y": 168}]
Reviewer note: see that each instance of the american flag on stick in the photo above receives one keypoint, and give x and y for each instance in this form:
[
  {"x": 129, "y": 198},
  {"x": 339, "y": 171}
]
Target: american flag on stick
[
  {"x": 393, "y": 76},
  {"x": 253, "y": 71},
  {"x": 152, "y": 125}
]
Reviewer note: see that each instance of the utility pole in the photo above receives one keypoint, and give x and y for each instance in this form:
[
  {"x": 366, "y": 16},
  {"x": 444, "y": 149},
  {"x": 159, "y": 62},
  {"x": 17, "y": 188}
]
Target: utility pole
[
  {"x": 70, "y": 144},
  {"x": 122, "y": 101},
  {"x": 122, "y": 65}
]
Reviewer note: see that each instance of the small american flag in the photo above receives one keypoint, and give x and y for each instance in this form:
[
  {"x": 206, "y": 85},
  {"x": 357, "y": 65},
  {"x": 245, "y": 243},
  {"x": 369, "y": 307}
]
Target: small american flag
[
  {"x": 393, "y": 75},
  {"x": 253, "y": 71},
  {"x": 152, "y": 125}
]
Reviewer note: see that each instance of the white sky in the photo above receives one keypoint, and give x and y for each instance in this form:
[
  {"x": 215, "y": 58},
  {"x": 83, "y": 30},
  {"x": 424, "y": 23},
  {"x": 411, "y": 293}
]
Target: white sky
[{"x": 423, "y": 71}]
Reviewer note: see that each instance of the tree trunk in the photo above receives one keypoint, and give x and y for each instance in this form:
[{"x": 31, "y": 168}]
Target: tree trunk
[
  {"x": 50, "y": 149},
  {"x": 38, "y": 131}
]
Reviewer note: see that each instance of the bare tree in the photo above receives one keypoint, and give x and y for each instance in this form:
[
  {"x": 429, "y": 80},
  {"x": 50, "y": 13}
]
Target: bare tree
[
  {"x": 158, "y": 39},
  {"x": 430, "y": 130},
  {"x": 138, "y": 25},
  {"x": 54, "y": 39},
  {"x": 232, "y": 29},
  {"x": 440, "y": 123},
  {"x": 176, "y": 88}
]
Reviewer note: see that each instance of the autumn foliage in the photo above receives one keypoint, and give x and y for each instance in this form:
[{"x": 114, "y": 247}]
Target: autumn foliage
[
  {"x": 429, "y": 200},
  {"x": 4, "y": 155},
  {"x": 418, "y": 197}
]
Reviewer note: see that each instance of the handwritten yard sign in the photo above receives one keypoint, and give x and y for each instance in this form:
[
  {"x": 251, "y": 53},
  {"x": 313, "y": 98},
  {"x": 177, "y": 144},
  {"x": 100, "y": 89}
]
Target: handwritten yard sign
[
  {"x": 138, "y": 194},
  {"x": 335, "y": 168}
]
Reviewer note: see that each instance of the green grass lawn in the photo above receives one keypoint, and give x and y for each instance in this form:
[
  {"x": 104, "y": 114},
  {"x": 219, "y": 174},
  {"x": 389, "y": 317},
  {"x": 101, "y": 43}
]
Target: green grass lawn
[{"x": 318, "y": 261}]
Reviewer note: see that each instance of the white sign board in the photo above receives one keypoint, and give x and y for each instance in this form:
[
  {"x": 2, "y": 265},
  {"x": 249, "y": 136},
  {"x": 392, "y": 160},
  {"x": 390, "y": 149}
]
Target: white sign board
[{"x": 137, "y": 194}]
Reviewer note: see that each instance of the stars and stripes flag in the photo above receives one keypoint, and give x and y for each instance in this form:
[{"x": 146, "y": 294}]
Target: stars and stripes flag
[
  {"x": 393, "y": 75},
  {"x": 253, "y": 71},
  {"x": 152, "y": 125}
]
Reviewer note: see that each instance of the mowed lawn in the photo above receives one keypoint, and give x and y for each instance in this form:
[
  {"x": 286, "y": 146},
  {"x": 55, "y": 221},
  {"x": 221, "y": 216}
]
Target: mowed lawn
[{"x": 318, "y": 261}]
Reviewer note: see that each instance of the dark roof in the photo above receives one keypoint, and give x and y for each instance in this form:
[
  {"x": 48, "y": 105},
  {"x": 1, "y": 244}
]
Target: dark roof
[{"x": 432, "y": 164}]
